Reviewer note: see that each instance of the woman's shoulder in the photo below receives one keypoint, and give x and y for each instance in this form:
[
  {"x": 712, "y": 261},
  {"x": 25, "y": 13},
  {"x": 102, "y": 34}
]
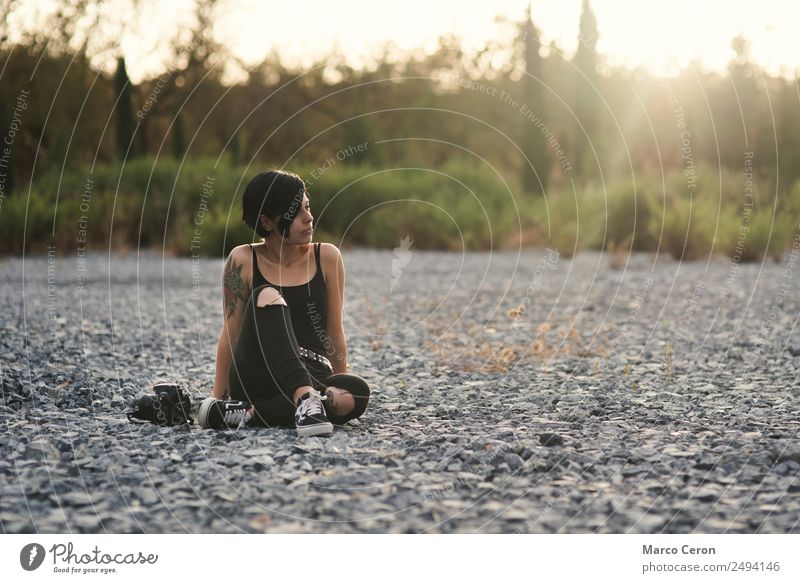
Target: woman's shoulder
[
  {"x": 329, "y": 258},
  {"x": 329, "y": 253},
  {"x": 242, "y": 253},
  {"x": 240, "y": 259}
]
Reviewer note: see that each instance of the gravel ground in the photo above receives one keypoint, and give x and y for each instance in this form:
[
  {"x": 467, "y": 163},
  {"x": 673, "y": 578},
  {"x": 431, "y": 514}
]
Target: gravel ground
[{"x": 512, "y": 393}]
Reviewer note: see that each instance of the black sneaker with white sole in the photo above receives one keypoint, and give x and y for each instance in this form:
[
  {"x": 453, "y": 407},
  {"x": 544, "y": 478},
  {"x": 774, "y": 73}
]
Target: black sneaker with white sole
[
  {"x": 219, "y": 414},
  {"x": 310, "y": 417}
]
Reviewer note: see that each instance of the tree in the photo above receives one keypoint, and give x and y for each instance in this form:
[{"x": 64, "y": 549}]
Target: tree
[
  {"x": 536, "y": 168},
  {"x": 586, "y": 91},
  {"x": 7, "y": 168},
  {"x": 124, "y": 111},
  {"x": 178, "y": 137}
]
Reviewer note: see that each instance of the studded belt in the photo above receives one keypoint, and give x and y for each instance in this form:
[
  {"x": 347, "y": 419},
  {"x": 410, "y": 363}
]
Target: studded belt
[{"x": 311, "y": 355}]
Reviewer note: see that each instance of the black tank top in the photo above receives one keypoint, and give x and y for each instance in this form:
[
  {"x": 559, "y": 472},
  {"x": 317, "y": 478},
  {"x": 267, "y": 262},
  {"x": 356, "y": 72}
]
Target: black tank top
[{"x": 308, "y": 305}]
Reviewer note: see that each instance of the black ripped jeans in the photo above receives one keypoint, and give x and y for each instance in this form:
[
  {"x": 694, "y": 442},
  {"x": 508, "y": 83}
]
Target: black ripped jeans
[{"x": 267, "y": 368}]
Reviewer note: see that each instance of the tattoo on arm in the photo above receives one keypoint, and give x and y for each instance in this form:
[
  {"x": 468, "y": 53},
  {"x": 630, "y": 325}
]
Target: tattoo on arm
[{"x": 233, "y": 288}]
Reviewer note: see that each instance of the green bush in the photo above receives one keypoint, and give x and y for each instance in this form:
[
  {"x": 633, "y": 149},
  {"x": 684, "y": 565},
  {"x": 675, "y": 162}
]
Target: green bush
[
  {"x": 693, "y": 227},
  {"x": 557, "y": 220},
  {"x": 768, "y": 236},
  {"x": 162, "y": 204},
  {"x": 629, "y": 206}
]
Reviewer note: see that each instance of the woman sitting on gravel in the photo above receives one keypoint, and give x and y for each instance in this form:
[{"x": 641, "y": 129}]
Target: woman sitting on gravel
[{"x": 271, "y": 363}]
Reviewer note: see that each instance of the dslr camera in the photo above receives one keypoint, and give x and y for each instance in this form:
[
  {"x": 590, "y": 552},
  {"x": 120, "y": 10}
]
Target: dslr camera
[{"x": 170, "y": 405}]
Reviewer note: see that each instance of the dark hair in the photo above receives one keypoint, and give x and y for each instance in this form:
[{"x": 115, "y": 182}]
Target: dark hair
[{"x": 274, "y": 193}]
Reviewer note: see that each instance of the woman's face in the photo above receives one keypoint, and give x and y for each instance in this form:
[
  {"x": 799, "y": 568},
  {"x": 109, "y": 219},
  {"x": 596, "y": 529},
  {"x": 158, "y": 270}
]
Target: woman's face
[
  {"x": 302, "y": 227},
  {"x": 299, "y": 229}
]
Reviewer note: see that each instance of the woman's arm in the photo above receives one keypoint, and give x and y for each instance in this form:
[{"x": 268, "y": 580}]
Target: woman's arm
[
  {"x": 334, "y": 325},
  {"x": 225, "y": 350},
  {"x": 235, "y": 291}
]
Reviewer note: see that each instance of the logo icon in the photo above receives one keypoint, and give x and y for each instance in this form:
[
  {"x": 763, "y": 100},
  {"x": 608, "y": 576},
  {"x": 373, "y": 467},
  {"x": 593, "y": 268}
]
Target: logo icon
[
  {"x": 31, "y": 556},
  {"x": 401, "y": 258}
]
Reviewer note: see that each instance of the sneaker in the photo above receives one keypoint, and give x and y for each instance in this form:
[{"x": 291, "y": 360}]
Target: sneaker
[
  {"x": 310, "y": 417},
  {"x": 219, "y": 414}
]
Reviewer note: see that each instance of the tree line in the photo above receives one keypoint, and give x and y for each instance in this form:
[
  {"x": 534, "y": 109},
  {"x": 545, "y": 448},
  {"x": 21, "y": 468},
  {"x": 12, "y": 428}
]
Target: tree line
[{"x": 546, "y": 122}]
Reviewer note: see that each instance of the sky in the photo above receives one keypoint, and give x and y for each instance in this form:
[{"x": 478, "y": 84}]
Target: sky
[{"x": 661, "y": 36}]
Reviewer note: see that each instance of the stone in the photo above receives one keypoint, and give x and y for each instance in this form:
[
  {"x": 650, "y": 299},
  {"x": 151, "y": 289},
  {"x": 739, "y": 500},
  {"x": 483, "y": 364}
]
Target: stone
[
  {"x": 550, "y": 439},
  {"x": 447, "y": 444}
]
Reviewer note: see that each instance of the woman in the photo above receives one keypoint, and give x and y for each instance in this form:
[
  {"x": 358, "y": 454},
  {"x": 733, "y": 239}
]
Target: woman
[{"x": 282, "y": 357}]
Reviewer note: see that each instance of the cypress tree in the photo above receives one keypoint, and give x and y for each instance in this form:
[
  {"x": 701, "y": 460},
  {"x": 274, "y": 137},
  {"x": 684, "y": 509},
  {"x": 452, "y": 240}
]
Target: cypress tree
[
  {"x": 124, "y": 111},
  {"x": 178, "y": 137},
  {"x": 5, "y": 121},
  {"x": 586, "y": 97},
  {"x": 536, "y": 168}
]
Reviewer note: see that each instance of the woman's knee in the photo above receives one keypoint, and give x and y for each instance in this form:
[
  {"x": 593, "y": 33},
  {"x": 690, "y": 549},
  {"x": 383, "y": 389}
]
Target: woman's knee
[
  {"x": 357, "y": 387},
  {"x": 350, "y": 382}
]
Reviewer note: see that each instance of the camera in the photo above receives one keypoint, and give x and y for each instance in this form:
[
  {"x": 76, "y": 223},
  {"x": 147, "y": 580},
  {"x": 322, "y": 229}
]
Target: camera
[{"x": 169, "y": 406}]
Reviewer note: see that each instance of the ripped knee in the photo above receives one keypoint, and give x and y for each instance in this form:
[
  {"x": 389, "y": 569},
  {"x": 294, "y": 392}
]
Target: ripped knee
[
  {"x": 269, "y": 296},
  {"x": 357, "y": 392},
  {"x": 341, "y": 401}
]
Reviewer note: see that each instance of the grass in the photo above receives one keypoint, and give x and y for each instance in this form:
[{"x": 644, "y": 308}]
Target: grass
[{"x": 193, "y": 208}]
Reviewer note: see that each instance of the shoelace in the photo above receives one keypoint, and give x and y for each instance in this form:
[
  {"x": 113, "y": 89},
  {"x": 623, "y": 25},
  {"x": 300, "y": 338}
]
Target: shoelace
[
  {"x": 311, "y": 406},
  {"x": 236, "y": 416}
]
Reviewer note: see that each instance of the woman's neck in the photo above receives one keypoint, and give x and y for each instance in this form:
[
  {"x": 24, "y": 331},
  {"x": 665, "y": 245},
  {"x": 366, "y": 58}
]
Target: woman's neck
[{"x": 282, "y": 253}]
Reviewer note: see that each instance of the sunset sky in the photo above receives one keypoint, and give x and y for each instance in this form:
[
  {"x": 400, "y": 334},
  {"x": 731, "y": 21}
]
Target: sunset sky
[{"x": 660, "y": 35}]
